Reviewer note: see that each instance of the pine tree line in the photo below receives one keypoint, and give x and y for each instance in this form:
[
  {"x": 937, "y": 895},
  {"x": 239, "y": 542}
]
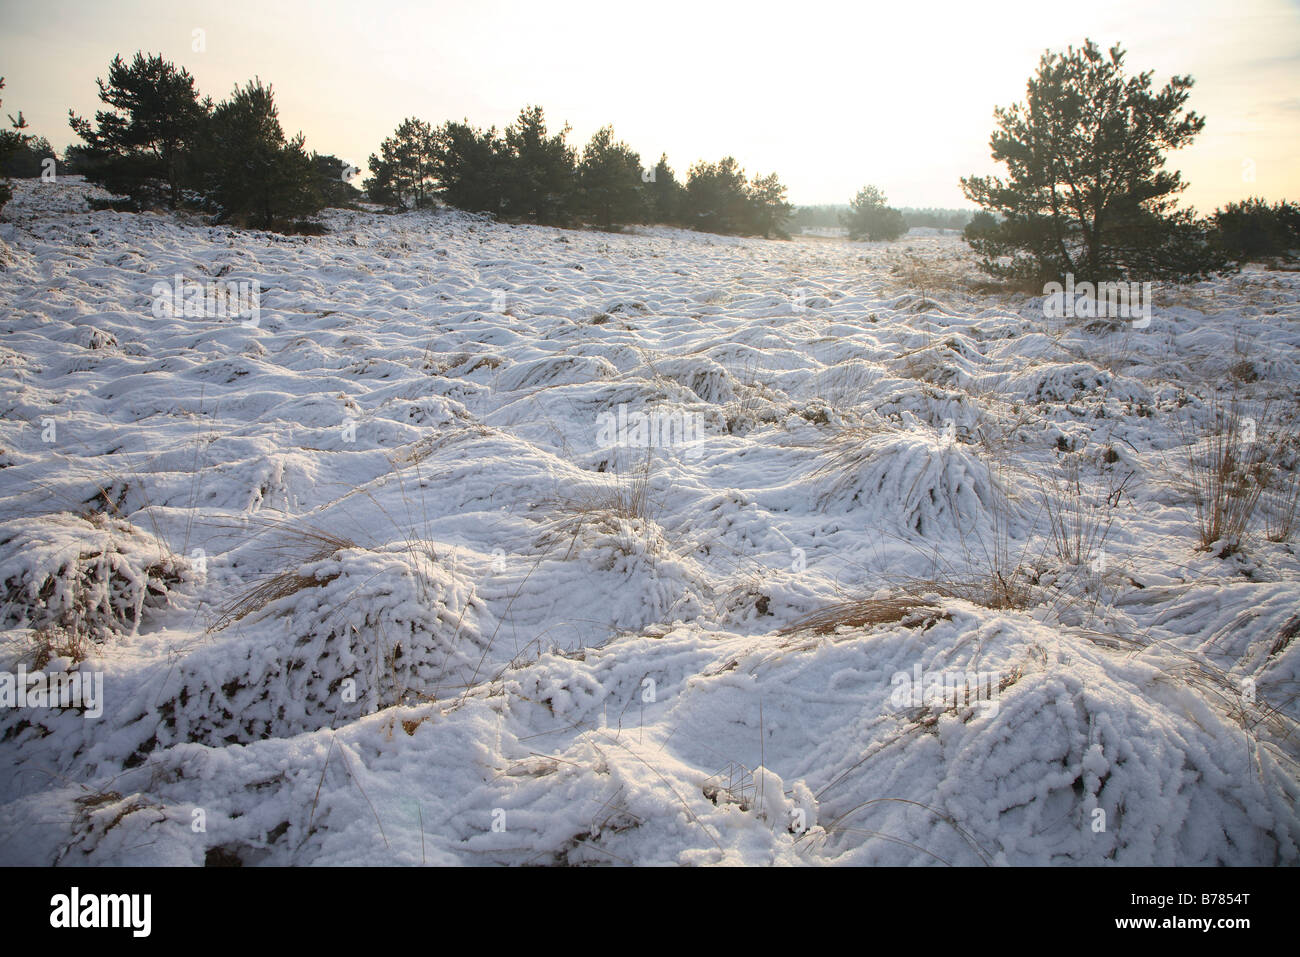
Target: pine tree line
[
  {"x": 158, "y": 143},
  {"x": 832, "y": 215},
  {"x": 1087, "y": 192},
  {"x": 13, "y": 144},
  {"x": 527, "y": 173}
]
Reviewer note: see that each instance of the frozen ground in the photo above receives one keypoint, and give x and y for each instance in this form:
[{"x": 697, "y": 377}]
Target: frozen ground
[{"x": 366, "y": 583}]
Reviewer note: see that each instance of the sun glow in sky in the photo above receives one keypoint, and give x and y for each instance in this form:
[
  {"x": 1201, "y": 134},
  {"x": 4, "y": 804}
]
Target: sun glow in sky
[{"x": 828, "y": 95}]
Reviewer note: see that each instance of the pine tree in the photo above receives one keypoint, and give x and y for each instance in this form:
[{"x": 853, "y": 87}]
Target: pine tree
[
  {"x": 28, "y": 158},
  {"x": 332, "y": 175},
  {"x": 409, "y": 154},
  {"x": 148, "y": 134},
  {"x": 663, "y": 193},
  {"x": 540, "y": 177},
  {"x": 715, "y": 200},
  {"x": 12, "y": 143},
  {"x": 1087, "y": 192},
  {"x": 1254, "y": 230},
  {"x": 379, "y": 186},
  {"x": 256, "y": 173},
  {"x": 769, "y": 209},
  {"x": 981, "y": 226},
  {"x": 609, "y": 180},
  {"x": 871, "y": 217},
  {"x": 471, "y": 167}
]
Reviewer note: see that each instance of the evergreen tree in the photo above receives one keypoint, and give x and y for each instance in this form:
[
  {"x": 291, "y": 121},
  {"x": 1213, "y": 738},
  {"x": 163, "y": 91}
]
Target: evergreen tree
[
  {"x": 379, "y": 185},
  {"x": 255, "y": 172},
  {"x": 1254, "y": 230},
  {"x": 332, "y": 175},
  {"x": 820, "y": 217},
  {"x": 870, "y": 217},
  {"x": 28, "y": 160},
  {"x": 716, "y": 200},
  {"x": 768, "y": 207},
  {"x": 405, "y": 168},
  {"x": 540, "y": 176},
  {"x": 13, "y": 142},
  {"x": 609, "y": 180},
  {"x": 471, "y": 167},
  {"x": 143, "y": 145},
  {"x": 1087, "y": 191},
  {"x": 663, "y": 193},
  {"x": 77, "y": 159},
  {"x": 981, "y": 225},
  {"x": 936, "y": 218}
]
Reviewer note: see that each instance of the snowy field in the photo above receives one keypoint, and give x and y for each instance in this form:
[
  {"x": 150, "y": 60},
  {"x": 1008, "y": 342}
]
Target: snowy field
[{"x": 386, "y": 577}]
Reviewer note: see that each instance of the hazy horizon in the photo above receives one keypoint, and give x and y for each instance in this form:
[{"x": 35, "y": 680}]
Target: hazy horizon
[{"x": 902, "y": 99}]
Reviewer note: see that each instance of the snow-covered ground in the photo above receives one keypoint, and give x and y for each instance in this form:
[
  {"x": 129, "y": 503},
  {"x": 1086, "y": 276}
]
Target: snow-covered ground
[{"x": 384, "y": 578}]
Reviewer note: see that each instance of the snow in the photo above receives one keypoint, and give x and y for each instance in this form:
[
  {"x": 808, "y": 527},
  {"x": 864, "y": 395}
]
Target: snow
[{"x": 366, "y": 587}]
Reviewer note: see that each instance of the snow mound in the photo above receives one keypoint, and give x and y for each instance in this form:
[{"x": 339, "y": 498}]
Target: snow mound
[
  {"x": 920, "y": 481},
  {"x": 92, "y": 574},
  {"x": 707, "y": 379},
  {"x": 1067, "y": 731},
  {"x": 557, "y": 370},
  {"x": 844, "y": 385},
  {"x": 356, "y": 632},
  {"x": 1059, "y": 382}
]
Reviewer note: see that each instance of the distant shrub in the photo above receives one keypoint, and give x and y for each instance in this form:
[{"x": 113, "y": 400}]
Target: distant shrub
[
  {"x": 719, "y": 199},
  {"x": 158, "y": 144},
  {"x": 870, "y": 217},
  {"x": 470, "y": 167},
  {"x": 981, "y": 226},
  {"x": 528, "y": 174},
  {"x": 768, "y": 209},
  {"x": 663, "y": 193},
  {"x": 27, "y": 160},
  {"x": 935, "y": 218},
  {"x": 12, "y": 144},
  {"x": 715, "y": 199},
  {"x": 540, "y": 171},
  {"x": 404, "y": 167},
  {"x": 1252, "y": 229},
  {"x": 332, "y": 175}
]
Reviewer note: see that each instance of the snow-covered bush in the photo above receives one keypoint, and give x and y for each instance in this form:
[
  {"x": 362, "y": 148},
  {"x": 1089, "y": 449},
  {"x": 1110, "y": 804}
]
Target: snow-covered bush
[
  {"x": 350, "y": 633},
  {"x": 90, "y": 573}
]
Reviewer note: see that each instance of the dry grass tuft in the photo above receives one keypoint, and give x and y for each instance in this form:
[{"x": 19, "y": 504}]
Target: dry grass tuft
[
  {"x": 56, "y": 641},
  {"x": 929, "y": 274},
  {"x": 869, "y": 612},
  {"x": 846, "y": 450},
  {"x": 755, "y": 402},
  {"x": 627, "y": 497},
  {"x": 1001, "y": 589},
  {"x": 992, "y": 574},
  {"x": 1228, "y": 469},
  {"x": 296, "y": 545},
  {"x": 1079, "y": 524},
  {"x": 733, "y": 784},
  {"x": 1282, "y": 505},
  {"x": 102, "y": 584},
  {"x": 1286, "y": 634},
  {"x": 622, "y": 505}
]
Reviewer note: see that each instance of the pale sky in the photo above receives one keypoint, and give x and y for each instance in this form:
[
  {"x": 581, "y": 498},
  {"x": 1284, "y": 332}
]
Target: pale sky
[{"x": 830, "y": 96}]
